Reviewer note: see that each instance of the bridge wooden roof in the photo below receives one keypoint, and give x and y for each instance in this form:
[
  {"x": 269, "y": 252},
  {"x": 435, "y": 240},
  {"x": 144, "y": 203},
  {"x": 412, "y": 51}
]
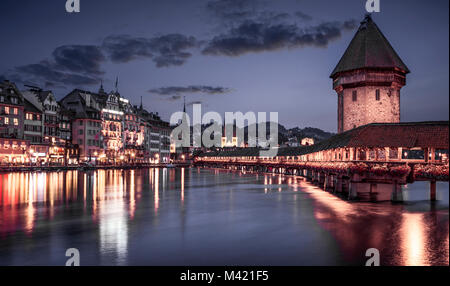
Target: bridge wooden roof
[{"x": 407, "y": 135}]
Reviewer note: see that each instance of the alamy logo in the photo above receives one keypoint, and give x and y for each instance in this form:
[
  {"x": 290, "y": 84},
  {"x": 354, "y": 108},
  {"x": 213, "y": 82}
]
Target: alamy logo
[
  {"x": 211, "y": 136},
  {"x": 374, "y": 255},
  {"x": 73, "y": 6},
  {"x": 373, "y": 6},
  {"x": 74, "y": 255}
]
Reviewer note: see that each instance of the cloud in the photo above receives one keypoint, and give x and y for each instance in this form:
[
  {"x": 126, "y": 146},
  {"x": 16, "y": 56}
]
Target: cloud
[
  {"x": 253, "y": 36},
  {"x": 303, "y": 16},
  {"x": 178, "y": 90},
  {"x": 79, "y": 58},
  {"x": 73, "y": 65},
  {"x": 48, "y": 72},
  {"x": 232, "y": 10},
  {"x": 166, "y": 50},
  {"x": 194, "y": 102}
]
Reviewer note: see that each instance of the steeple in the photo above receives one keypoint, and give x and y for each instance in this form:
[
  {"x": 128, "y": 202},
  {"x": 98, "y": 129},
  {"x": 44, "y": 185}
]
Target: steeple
[
  {"x": 117, "y": 84},
  {"x": 141, "y": 107},
  {"x": 101, "y": 90},
  {"x": 368, "y": 80},
  {"x": 369, "y": 48},
  {"x": 184, "y": 105}
]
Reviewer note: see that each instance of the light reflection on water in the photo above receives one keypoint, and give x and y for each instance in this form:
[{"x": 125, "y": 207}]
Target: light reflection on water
[{"x": 209, "y": 217}]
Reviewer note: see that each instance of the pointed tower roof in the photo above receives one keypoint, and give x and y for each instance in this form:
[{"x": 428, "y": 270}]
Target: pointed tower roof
[
  {"x": 101, "y": 90},
  {"x": 369, "y": 48}
]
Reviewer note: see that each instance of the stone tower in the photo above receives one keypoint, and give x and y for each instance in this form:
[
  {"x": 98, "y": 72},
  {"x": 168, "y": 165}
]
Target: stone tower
[{"x": 368, "y": 79}]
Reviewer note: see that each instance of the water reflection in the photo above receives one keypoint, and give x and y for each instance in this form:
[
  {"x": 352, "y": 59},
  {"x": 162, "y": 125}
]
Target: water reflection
[{"x": 120, "y": 216}]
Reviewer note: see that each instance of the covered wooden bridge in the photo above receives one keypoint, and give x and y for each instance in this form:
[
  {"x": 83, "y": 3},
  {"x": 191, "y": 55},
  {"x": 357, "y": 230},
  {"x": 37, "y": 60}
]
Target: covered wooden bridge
[{"x": 377, "y": 153}]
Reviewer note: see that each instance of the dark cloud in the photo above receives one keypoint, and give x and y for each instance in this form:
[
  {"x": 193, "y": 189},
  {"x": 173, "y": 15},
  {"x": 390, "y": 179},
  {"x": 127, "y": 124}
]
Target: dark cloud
[
  {"x": 79, "y": 58},
  {"x": 303, "y": 16},
  {"x": 232, "y": 10},
  {"x": 252, "y": 36},
  {"x": 350, "y": 25},
  {"x": 178, "y": 90},
  {"x": 47, "y": 72},
  {"x": 74, "y": 65},
  {"x": 194, "y": 102},
  {"x": 166, "y": 50}
]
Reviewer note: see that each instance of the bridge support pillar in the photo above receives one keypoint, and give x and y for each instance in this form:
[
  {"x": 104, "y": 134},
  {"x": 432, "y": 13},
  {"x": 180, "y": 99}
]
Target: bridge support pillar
[
  {"x": 321, "y": 178},
  {"x": 315, "y": 177},
  {"x": 352, "y": 190},
  {"x": 309, "y": 175},
  {"x": 328, "y": 182},
  {"x": 373, "y": 188},
  {"x": 397, "y": 194},
  {"x": 337, "y": 185},
  {"x": 433, "y": 191}
]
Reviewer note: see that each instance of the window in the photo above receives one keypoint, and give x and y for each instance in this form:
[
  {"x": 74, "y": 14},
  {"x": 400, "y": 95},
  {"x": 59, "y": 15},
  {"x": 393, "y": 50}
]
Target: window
[
  {"x": 6, "y": 120},
  {"x": 6, "y": 110},
  {"x": 16, "y": 121},
  {"x": 377, "y": 94},
  {"x": 16, "y": 111},
  {"x": 354, "y": 95},
  {"x": 80, "y": 131},
  {"x": 81, "y": 123}
]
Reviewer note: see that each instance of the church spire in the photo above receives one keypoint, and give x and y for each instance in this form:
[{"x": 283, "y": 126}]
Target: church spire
[
  {"x": 184, "y": 104},
  {"x": 101, "y": 90}
]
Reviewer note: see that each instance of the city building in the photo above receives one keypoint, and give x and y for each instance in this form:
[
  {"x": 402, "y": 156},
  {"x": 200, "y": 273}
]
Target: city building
[
  {"x": 307, "y": 141},
  {"x": 108, "y": 129},
  {"x": 11, "y": 111},
  {"x": 46, "y": 102},
  {"x": 13, "y": 147},
  {"x": 86, "y": 125},
  {"x": 368, "y": 79}
]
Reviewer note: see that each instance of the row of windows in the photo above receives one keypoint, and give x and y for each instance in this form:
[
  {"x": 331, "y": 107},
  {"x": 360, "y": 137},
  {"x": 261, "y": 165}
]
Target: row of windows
[
  {"x": 90, "y": 142},
  {"x": 33, "y": 128},
  {"x": 355, "y": 95},
  {"x": 7, "y": 110},
  {"x": 51, "y": 107},
  {"x": 7, "y": 121},
  {"x": 33, "y": 139},
  {"x": 32, "y": 116},
  {"x": 14, "y": 100},
  {"x": 52, "y": 131},
  {"x": 91, "y": 123}
]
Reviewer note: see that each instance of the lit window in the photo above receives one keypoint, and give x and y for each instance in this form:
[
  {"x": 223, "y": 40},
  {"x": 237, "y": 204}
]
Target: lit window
[
  {"x": 6, "y": 120},
  {"x": 6, "y": 110},
  {"x": 15, "y": 111},
  {"x": 16, "y": 121}
]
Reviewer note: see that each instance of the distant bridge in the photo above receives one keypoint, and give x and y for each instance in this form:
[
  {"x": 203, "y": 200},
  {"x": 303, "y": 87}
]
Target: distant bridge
[{"x": 371, "y": 154}]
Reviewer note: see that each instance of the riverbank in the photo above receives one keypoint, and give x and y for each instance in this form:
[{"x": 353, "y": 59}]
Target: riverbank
[{"x": 12, "y": 169}]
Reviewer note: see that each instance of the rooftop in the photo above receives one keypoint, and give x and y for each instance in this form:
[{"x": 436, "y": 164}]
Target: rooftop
[{"x": 369, "y": 48}]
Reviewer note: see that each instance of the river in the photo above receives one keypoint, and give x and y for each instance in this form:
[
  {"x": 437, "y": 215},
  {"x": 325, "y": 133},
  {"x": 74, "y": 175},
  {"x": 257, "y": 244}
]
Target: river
[{"x": 194, "y": 216}]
